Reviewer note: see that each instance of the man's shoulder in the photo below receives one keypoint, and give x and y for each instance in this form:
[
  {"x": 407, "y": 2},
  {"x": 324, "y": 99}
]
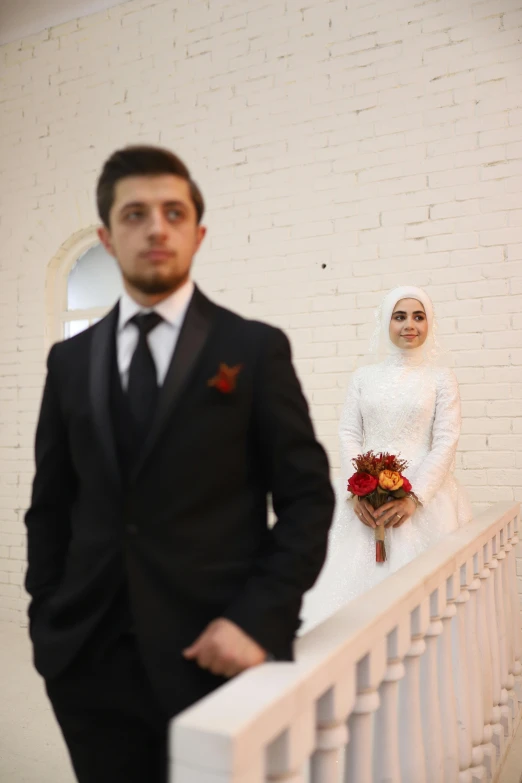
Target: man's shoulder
[
  {"x": 79, "y": 345},
  {"x": 250, "y": 328},
  {"x": 74, "y": 346}
]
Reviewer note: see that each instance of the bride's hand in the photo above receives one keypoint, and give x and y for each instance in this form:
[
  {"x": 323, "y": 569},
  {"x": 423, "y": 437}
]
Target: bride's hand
[
  {"x": 396, "y": 512},
  {"x": 364, "y": 511}
]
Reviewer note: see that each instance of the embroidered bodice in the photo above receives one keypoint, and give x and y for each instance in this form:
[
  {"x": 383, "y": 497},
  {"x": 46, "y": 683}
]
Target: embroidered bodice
[{"x": 406, "y": 408}]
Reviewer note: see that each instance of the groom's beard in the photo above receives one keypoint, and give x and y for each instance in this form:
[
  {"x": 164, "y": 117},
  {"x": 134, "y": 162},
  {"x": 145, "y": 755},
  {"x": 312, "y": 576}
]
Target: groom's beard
[{"x": 157, "y": 283}]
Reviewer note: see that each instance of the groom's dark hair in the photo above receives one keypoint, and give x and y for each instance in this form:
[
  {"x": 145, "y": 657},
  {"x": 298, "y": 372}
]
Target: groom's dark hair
[{"x": 141, "y": 161}]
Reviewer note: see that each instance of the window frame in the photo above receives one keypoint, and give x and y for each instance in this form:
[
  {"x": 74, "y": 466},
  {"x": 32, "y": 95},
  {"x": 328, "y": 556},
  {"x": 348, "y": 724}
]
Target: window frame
[{"x": 57, "y": 286}]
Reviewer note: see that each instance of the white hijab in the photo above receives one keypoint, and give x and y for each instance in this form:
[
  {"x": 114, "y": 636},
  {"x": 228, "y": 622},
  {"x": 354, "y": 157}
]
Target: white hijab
[{"x": 382, "y": 347}]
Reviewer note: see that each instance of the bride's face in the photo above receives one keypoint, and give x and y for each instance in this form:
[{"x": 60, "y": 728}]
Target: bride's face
[{"x": 408, "y": 325}]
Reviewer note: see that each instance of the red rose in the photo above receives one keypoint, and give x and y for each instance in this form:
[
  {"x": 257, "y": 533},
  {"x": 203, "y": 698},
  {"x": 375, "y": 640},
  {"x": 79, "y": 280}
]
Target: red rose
[
  {"x": 406, "y": 484},
  {"x": 223, "y": 385},
  {"x": 362, "y": 484}
]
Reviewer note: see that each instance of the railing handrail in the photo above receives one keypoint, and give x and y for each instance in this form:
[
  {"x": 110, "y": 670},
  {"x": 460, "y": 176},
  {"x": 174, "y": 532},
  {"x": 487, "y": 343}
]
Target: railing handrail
[{"x": 259, "y": 704}]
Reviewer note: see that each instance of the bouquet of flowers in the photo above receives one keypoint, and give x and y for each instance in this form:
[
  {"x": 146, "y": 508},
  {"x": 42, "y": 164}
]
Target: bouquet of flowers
[{"x": 379, "y": 478}]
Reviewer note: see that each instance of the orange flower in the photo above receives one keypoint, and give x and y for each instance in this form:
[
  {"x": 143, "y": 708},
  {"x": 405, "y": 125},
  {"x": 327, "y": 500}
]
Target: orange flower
[{"x": 390, "y": 480}]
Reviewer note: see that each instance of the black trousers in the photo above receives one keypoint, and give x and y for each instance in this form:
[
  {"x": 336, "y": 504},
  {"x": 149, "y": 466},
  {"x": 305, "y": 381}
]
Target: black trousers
[{"x": 112, "y": 723}]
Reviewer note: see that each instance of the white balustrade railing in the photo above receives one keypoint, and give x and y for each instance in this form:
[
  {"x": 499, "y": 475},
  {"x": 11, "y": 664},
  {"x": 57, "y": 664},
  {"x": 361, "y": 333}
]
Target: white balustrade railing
[{"x": 416, "y": 681}]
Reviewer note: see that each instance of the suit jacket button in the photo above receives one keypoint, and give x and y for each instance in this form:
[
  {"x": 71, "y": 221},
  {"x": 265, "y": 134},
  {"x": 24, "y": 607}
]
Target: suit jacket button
[{"x": 132, "y": 530}]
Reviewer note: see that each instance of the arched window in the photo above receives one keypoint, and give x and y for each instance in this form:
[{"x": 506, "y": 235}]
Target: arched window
[{"x": 93, "y": 286}]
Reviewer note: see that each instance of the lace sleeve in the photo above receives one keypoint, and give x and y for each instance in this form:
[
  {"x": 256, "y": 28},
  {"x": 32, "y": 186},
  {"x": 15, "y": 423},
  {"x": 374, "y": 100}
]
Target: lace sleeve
[
  {"x": 351, "y": 428},
  {"x": 445, "y": 435}
]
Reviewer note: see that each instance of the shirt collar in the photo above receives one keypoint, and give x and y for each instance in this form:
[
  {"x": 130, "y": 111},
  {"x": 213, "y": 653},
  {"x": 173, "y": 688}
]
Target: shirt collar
[{"x": 172, "y": 309}]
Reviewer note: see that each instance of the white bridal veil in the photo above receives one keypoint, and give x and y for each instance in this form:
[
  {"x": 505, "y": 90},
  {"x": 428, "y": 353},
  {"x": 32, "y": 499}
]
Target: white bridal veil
[{"x": 381, "y": 345}]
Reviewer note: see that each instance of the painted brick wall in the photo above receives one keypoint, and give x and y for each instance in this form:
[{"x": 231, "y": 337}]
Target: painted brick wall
[{"x": 341, "y": 150}]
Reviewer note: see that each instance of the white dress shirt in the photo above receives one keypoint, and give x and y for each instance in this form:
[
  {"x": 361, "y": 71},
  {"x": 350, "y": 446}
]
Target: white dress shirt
[{"x": 162, "y": 340}]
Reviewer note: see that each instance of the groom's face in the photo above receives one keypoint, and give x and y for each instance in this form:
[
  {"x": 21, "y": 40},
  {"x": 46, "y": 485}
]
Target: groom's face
[{"x": 153, "y": 233}]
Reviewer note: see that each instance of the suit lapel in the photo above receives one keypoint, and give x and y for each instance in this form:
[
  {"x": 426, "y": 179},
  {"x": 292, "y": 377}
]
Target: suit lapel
[
  {"x": 192, "y": 338},
  {"x": 102, "y": 356}
]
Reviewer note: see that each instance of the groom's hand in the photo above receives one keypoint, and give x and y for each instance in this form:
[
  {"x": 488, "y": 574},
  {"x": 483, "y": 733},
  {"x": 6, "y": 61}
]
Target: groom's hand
[{"x": 225, "y": 649}]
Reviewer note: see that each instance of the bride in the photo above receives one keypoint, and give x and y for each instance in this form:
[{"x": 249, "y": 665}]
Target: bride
[{"x": 406, "y": 404}]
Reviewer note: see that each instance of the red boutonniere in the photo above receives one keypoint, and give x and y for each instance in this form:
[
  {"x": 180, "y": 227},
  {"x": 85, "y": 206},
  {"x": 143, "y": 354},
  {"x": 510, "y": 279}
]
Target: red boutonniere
[{"x": 226, "y": 379}]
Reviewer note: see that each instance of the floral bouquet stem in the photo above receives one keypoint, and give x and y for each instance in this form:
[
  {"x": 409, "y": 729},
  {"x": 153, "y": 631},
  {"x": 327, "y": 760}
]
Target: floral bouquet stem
[{"x": 377, "y": 499}]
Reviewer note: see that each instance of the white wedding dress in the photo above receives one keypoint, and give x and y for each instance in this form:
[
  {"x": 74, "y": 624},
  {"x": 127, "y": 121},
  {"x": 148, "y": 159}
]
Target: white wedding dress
[{"x": 409, "y": 408}]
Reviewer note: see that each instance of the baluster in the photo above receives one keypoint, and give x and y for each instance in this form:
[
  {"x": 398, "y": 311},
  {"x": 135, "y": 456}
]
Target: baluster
[
  {"x": 499, "y": 557},
  {"x": 386, "y": 738},
  {"x": 359, "y": 752},
  {"x": 515, "y": 609},
  {"x": 476, "y": 693},
  {"x": 490, "y": 757},
  {"x": 492, "y": 621},
  {"x": 461, "y": 677},
  {"x": 287, "y": 757},
  {"x": 411, "y": 745},
  {"x": 431, "y": 717},
  {"x": 326, "y": 765},
  {"x": 332, "y": 711},
  {"x": 448, "y": 706},
  {"x": 461, "y": 686},
  {"x": 508, "y": 614},
  {"x": 511, "y": 608}
]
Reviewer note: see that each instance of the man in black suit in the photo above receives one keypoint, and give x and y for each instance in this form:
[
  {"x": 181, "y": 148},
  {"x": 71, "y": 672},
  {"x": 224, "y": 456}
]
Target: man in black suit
[{"x": 153, "y": 573}]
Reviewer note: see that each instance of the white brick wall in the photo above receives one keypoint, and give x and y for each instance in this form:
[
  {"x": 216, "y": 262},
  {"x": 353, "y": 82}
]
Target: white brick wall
[{"x": 341, "y": 152}]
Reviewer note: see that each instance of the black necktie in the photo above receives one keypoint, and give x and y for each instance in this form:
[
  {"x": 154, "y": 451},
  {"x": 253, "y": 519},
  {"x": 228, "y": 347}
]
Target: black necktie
[{"x": 142, "y": 390}]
